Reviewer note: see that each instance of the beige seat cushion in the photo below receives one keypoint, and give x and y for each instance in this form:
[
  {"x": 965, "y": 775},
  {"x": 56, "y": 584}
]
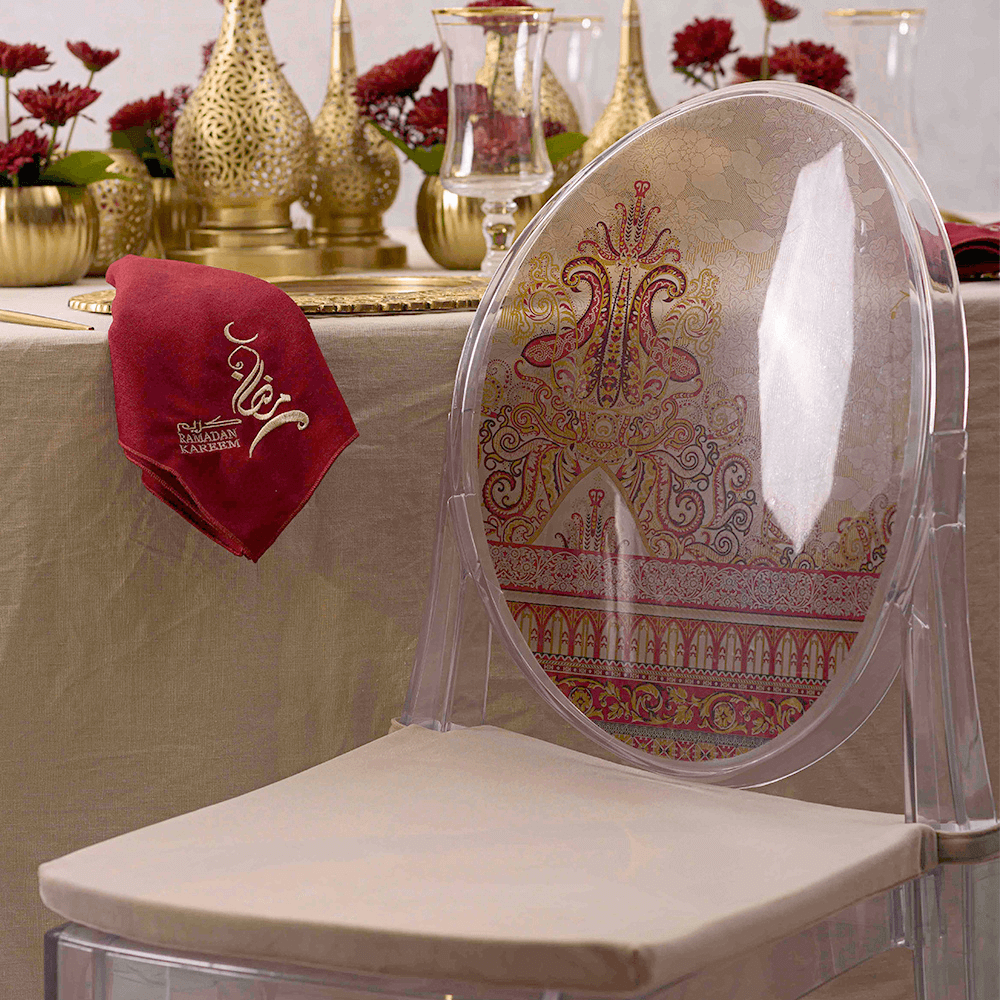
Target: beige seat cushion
[{"x": 486, "y": 856}]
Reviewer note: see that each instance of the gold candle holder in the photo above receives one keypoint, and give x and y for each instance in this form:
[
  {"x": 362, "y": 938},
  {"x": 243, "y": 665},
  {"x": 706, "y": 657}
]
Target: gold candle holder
[
  {"x": 242, "y": 148},
  {"x": 632, "y": 103},
  {"x": 355, "y": 175}
]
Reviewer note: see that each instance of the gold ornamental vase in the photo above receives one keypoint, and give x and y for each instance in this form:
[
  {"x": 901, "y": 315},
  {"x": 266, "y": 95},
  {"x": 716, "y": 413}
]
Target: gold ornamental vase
[
  {"x": 242, "y": 149},
  {"x": 355, "y": 175},
  {"x": 48, "y": 235},
  {"x": 124, "y": 210},
  {"x": 632, "y": 103},
  {"x": 174, "y": 213},
  {"x": 451, "y": 226}
]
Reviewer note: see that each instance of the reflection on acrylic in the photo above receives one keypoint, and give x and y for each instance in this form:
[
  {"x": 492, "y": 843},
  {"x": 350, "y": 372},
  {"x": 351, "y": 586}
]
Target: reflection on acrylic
[{"x": 806, "y": 347}]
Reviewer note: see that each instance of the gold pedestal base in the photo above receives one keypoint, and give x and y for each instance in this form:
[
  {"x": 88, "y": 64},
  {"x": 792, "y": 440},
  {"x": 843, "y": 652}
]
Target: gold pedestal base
[
  {"x": 265, "y": 253},
  {"x": 360, "y": 253}
]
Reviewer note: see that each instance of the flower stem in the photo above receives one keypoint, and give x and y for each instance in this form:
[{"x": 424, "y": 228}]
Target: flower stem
[
  {"x": 765, "y": 68},
  {"x": 52, "y": 146},
  {"x": 684, "y": 71},
  {"x": 72, "y": 127}
]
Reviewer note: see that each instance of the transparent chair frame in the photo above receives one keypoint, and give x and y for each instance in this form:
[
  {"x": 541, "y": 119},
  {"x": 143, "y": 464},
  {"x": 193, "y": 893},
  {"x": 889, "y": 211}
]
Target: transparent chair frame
[
  {"x": 922, "y": 618},
  {"x": 947, "y": 916}
]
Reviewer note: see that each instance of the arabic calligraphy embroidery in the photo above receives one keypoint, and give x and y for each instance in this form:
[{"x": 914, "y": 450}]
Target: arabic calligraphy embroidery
[
  {"x": 202, "y": 436},
  {"x": 256, "y": 392}
]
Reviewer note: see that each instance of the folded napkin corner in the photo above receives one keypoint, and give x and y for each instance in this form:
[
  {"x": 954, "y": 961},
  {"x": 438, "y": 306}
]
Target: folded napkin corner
[{"x": 223, "y": 398}]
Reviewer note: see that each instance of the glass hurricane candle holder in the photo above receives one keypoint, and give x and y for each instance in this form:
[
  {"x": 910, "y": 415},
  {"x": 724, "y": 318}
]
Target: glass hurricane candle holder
[
  {"x": 571, "y": 51},
  {"x": 495, "y": 149},
  {"x": 881, "y": 47}
]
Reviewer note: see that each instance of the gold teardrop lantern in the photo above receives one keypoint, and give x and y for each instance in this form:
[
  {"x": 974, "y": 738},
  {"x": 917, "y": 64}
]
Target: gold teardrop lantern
[
  {"x": 243, "y": 147},
  {"x": 355, "y": 175},
  {"x": 632, "y": 103}
]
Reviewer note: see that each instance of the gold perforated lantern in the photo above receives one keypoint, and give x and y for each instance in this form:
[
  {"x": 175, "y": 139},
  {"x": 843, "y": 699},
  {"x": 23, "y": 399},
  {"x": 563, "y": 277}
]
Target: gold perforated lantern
[{"x": 243, "y": 148}]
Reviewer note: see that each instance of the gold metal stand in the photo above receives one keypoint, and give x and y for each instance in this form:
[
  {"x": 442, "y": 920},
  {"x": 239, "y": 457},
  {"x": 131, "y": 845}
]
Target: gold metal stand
[
  {"x": 242, "y": 148},
  {"x": 356, "y": 172}
]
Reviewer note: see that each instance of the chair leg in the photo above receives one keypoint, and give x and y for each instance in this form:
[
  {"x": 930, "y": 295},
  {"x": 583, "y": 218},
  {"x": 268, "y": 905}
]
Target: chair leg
[{"x": 955, "y": 932}]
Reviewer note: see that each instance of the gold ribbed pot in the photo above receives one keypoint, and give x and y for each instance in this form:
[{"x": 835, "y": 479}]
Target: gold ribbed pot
[
  {"x": 242, "y": 147},
  {"x": 174, "y": 213},
  {"x": 48, "y": 235},
  {"x": 124, "y": 210},
  {"x": 451, "y": 227},
  {"x": 355, "y": 175}
]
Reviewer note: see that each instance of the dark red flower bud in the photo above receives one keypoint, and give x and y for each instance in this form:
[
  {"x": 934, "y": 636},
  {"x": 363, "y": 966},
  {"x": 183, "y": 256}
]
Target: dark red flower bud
[
  {"x": 93, "y": 59},
  {"x": 775, "y": 11}
]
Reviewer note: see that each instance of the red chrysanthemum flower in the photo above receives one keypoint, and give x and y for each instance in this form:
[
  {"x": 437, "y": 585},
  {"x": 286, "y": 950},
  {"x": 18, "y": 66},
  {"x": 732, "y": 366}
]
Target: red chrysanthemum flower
[
  {"x": 399, "y": 77},
  {"x": 139, "y": 114},
  {"x": 500, "y": 140},
  {"x": 703, "y": 44},
  {"x": 57, "y": 104},
  {"x": 817, "y": 65},
  {"x": 748, "y": 68},
  {"x": 28, "y": 147},
  {"x": 775, "y": 11},
  {"x": 472, "y": 99},
  {"x": 15, "y": 58},
  {"x": 429, "y": 117},
  {"x": 93, "y": 59}
]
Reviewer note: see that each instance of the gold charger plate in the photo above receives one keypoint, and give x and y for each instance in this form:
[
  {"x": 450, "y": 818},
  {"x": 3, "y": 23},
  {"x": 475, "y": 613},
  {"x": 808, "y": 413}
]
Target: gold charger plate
[{"x": 353, "y": 293}]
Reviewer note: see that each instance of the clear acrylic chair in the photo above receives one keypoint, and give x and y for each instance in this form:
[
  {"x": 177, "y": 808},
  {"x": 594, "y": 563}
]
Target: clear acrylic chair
[{"x": 704, "y": 484}]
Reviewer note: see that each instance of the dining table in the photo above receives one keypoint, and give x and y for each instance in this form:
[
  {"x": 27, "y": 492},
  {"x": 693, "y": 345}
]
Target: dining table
[{"x": 147, "y": 672}]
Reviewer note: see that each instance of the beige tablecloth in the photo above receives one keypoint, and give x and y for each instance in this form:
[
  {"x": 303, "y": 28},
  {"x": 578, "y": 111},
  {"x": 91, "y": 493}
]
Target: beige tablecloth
[{"x": 147, "y": 672}]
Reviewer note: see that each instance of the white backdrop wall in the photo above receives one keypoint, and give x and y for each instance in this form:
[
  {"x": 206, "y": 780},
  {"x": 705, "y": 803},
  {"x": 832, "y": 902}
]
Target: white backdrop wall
[{"x": 957, "y": 84}]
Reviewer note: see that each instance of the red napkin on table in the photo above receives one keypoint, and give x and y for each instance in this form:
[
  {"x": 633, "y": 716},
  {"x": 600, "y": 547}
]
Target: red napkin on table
[
  {"x": 976, "y": 249},
  {"x": 223, "y": 398}
]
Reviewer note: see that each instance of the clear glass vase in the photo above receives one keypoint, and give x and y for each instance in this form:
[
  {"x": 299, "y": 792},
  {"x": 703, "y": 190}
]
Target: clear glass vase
[
  {"x": 495, "y": 149},
  {"x": 570, "y": 53},
  {"x": 881, "y": 47}
]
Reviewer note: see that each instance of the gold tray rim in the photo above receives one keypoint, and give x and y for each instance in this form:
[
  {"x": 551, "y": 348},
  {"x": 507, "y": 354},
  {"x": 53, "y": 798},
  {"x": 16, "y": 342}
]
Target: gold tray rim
[{"x": 417, "y": 293}]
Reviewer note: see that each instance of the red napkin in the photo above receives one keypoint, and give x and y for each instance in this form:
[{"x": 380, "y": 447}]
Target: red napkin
[
  {"x": 976, "y": 250},
  {"x": 223, "y": 398}
]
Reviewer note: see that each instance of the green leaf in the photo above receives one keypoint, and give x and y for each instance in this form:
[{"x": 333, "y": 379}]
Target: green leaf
[
  {"x": 428, "y": 159},
  {"x": 564, "y": 144},
  {"x": 78, "y": 169},
  {"x": 140, "y": 140}
]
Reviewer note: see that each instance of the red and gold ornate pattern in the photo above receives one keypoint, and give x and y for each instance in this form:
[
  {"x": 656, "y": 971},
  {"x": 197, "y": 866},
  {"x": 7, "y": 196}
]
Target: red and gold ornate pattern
[{"x": 620, "y": 466}]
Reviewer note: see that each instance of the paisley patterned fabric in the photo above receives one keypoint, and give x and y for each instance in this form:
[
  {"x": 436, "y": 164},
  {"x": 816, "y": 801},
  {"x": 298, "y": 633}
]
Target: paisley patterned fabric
[{"x": 620, "y": 445}]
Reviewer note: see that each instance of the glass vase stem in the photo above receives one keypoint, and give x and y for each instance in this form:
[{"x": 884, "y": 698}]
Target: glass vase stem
[{"x": 498, "y": 230}]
